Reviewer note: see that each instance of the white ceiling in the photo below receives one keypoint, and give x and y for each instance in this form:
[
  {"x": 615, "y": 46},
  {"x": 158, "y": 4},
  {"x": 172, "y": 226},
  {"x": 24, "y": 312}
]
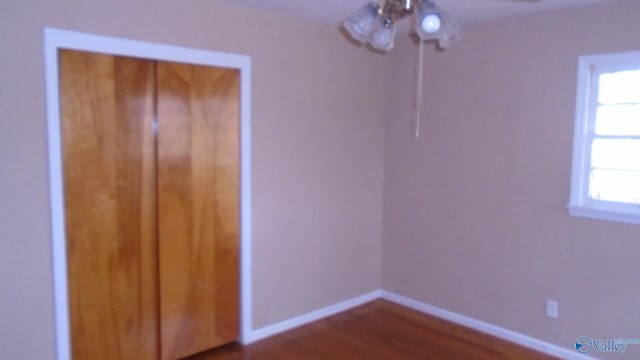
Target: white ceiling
[{"x": 466, "y": 11}]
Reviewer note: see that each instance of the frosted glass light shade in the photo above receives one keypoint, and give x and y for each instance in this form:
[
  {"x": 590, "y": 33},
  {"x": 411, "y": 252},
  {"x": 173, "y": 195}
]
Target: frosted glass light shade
[
  {"x": 360, "y": 24},
  {"x": 450, "y": 33},
  {"x": 447, "y": 33},
  {"x": 383, "y": 35}
]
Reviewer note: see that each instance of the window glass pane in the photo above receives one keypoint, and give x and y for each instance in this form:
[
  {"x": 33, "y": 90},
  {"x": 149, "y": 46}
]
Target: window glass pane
[
  {"x": 620, "y": 87},
  {"x": 611, "y": 185},
  {"x": 618, "y": 120},
  {"x": 617, "y": 154}
]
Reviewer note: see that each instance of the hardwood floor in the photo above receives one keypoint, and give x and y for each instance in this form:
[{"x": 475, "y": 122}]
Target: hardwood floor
[{"x": 377, "y": 330}]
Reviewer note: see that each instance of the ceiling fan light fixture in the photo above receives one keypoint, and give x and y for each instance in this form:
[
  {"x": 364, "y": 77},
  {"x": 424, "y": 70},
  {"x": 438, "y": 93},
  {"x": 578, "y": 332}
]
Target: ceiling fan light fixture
[
  {"x": 361, "y": 23},
  {"x": 375, "y": 23}
]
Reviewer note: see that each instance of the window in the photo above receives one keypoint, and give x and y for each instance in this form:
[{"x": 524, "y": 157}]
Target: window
[{"x": 606, "y": 155}]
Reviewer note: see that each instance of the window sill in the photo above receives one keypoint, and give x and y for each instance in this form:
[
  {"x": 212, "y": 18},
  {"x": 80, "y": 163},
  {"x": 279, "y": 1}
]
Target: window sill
[{"x": 582, "y": 211}]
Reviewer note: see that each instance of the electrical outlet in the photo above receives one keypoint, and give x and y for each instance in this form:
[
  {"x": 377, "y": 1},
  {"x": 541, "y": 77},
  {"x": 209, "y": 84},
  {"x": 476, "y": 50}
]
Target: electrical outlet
[{"x": 552, "y": 308}]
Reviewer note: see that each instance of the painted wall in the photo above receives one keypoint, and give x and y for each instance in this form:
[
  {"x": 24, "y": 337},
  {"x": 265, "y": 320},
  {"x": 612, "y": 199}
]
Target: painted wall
[
  {"x": 318, "y": 121},
  {"x": 475, "y": 219}
]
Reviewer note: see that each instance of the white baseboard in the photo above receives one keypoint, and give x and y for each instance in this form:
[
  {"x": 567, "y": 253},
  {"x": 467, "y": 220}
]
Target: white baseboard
[
  {"x": 486, "y": 328},
  {"x": 502, "y": 333},
  {"x": 270, "y": 330}
]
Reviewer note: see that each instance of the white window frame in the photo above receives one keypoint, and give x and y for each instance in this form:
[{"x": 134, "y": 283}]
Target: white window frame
[{"x": 580, "y": 204}]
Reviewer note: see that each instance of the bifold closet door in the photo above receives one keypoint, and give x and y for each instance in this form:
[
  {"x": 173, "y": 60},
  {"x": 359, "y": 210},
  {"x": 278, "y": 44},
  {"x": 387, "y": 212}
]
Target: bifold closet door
[
  {"x": 151, "y": 179},
  {"x": 109, "y": 178},
  {"x": 198, "y": 206}
]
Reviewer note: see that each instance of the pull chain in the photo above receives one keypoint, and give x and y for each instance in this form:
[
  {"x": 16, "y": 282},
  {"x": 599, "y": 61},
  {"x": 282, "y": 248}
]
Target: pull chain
[{"x": 419, "y": 89}]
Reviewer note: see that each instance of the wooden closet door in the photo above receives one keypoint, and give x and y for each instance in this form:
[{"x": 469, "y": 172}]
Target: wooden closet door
[
  {"x": 198, "y": 207},
  {"x": 109, "y": 181}
]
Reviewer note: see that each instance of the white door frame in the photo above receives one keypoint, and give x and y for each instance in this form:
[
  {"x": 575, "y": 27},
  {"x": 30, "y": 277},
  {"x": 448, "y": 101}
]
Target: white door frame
[{"x": 55, "y": 39}]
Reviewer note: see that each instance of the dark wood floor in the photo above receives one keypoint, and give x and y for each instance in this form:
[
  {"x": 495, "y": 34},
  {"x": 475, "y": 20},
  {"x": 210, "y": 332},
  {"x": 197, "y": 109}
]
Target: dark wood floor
[{"x": 378, "y": 330}]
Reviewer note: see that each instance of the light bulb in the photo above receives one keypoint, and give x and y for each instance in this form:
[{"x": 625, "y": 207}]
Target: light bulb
[{"x": 431, "y": 23}]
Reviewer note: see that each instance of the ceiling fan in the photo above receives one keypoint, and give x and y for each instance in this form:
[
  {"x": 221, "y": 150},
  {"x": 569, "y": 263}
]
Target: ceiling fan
[{"x": 374, "y": 23}]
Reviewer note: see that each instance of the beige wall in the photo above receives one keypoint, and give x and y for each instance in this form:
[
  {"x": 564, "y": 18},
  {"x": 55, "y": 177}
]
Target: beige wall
[
  {"x": 318, "y": 121},
  {"x": 475, "y": 219}
]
